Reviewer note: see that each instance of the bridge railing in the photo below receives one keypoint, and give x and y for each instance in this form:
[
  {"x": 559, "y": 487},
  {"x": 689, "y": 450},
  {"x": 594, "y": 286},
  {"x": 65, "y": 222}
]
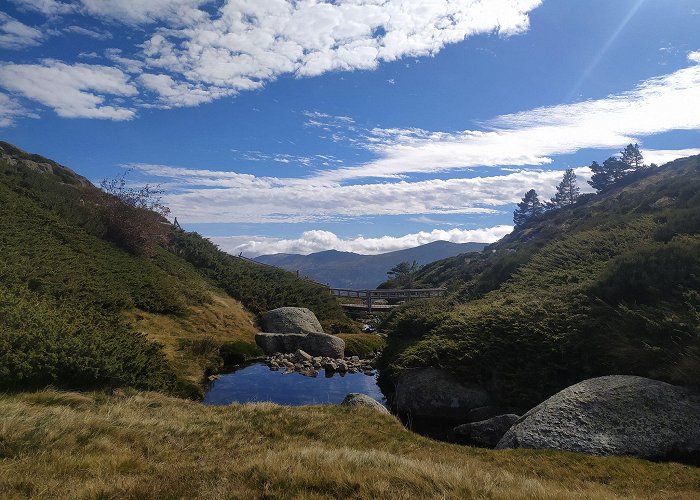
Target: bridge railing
[{"x": 370, "y": 295}]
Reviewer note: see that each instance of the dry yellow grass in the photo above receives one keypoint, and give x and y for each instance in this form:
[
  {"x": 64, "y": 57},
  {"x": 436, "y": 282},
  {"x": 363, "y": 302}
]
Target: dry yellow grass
[
  {"x": 222, "y": 320},
  {"x": 144, "y": 445}
]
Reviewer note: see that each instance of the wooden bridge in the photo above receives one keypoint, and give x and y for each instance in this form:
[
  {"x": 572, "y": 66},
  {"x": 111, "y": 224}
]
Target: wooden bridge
[{"x": 369, "y": 297}]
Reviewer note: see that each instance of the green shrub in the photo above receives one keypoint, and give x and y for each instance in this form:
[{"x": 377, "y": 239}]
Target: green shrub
[
  {"x": 235, "y": 353},
  {"x": 260, "y": 288},
  {"x": 363, "y": 345},
  {"x": 44, "y": 342}
]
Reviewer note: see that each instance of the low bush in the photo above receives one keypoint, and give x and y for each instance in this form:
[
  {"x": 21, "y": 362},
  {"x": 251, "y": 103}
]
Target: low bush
[
  {"x": 259, "y": 288},
  {"x": 44, "y": 342},
  {"x": 363, "y": 345},
  {"x": 237, "y": 352}
]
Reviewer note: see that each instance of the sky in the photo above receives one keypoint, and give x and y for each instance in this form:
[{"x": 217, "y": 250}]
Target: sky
[{"x": 357, "y": 125}]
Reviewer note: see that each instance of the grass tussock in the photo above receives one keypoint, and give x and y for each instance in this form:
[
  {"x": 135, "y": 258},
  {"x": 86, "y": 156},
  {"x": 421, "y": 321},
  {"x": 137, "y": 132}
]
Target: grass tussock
[
  {"x": 192, "y": 342},
  {"x": 144, "y": 445}
]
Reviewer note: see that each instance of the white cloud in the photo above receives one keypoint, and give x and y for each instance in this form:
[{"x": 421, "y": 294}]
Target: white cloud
[
  {"x": 694, "y": 56},
  {"x": 178, "y": 12},
  {"x": 531, "y": 137},
  {"x": 67, "y": 88},
  {"x": 661, "y": 156},
  {"x": 10, "y": 110},
  {"x": 318, "y": 240},
  {"x": 317, "y": 160},
  {"x": 423, "y": 219},
  {"x": 97, "y": 35},
  {"x": 249, "y": 42},
  {"x": 46, "y": 7},
  {"x": 128, "y": 64},
  {"x": 172, "y": 94},
  {"x": 212, "y": 196},
  {"x": 17, "y": 35}
]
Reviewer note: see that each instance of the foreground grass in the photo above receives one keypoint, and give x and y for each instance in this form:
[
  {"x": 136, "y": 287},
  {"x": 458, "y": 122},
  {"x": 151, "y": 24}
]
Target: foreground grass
[{"x": 145, "y": 445}]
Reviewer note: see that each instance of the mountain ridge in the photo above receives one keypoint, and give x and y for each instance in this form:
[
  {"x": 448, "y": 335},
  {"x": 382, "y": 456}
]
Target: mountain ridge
[{"x": 353, "y": 270}]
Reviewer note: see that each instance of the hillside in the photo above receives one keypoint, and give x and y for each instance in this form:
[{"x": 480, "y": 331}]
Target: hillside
[
  {"x": 610, "y": 285},
  {"x": 352, "y": 270},
  {"x": 78, "y": 310}
]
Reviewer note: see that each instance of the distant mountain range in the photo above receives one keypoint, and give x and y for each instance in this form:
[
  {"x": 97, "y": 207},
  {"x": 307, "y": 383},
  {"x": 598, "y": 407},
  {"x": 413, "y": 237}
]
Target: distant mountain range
[{"x": 352, "y": 270}]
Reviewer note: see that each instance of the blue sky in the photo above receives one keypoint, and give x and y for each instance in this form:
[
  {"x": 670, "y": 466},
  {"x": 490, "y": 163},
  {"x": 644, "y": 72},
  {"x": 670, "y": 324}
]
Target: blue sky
[{"x": 360, "y": 125}]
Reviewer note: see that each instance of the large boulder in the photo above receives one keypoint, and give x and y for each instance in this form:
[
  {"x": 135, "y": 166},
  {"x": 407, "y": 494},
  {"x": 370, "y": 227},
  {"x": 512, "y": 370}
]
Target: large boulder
[
  {"x": 355, "y": 399},
  {"x": 486, "y": 432},
  {"x": 272, "y": 343},
  {"x": 291, "y": 320},
  {"x": 322, "y": 344},
  {"x": 430, "y": 392},
  {"x": 315, "y": 344},
  {"x": 614, "y": 415}
]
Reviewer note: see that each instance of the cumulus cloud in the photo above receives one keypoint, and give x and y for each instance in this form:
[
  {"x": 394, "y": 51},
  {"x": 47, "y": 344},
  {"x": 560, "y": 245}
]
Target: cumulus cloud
[
  {"x": 244, "y": 43},
  {"x": 178, "y": 12},
  {"x": 317, "y": 240},
  {"x": 694, "y": 56},
  {"x": 72, "y": 91},
  {"x": 17, "y": 35},
  {"x": 249, "y": 42},
  {"x": 212, "y": 196}
]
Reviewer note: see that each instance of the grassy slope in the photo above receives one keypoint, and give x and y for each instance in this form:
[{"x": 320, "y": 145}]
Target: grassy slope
[
  {"x": 610, "y": 285},
  {"x": 144, "y": 445},
  {"x": 60, "y": 275}
]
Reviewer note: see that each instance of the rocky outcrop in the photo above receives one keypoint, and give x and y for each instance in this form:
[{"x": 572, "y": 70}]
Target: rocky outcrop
[
  {"x": 614, "y": 415},
  {"x": 355, "y": 399},
  {"x": 485, "y": 433},
  {"x": 291, "y": 320},
  {"x": 311, "y": 366},
  {"x": 430, "y": 392},
  {"x": 315, "y": 344}
]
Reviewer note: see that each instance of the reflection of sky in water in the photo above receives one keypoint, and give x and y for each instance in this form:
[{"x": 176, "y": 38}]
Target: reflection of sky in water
[{"x": 258, "y": 383}]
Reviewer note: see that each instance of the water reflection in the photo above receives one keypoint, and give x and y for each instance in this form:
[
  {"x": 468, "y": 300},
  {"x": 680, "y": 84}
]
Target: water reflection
[{"x": 257, "y": 382}]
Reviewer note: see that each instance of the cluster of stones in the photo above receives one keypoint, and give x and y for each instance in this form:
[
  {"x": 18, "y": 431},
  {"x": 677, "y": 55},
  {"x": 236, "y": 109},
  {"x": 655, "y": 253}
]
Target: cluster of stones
[{"x": 310, "y": 366}]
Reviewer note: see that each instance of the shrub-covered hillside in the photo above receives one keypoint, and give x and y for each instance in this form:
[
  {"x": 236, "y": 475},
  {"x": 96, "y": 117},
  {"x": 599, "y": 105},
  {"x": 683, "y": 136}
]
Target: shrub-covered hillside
[
  {"x": 608, "y": 285},
  {"x": 79, "y": 310}
]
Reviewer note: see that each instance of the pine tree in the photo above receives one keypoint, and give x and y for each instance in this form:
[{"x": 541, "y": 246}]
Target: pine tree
[
  {"x": 612, "y": 170},
  {"x": 600, "y": 178},
  {"x": 529, "y": 208},
  {"x": 403, "y": 273},
  {"x": 567, "y": 191},
  {"x": 633, "y": 157}
]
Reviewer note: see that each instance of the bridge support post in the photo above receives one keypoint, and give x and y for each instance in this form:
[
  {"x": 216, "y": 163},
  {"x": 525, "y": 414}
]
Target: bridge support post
[{"x": 369, "y": 300}]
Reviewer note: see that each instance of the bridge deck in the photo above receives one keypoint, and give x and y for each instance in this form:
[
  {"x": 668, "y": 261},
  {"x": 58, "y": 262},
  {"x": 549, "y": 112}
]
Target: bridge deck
[{"x": 369, "y": 296}]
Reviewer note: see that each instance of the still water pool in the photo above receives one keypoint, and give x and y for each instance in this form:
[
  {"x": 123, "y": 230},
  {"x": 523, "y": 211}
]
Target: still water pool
[{"x": 257, "y": 382}]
